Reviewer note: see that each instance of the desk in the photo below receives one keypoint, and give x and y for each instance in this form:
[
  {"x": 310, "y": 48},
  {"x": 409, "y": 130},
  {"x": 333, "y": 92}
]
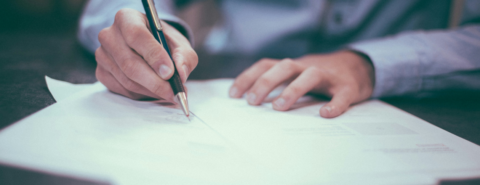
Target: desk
[{"x": 26, "y": 57}]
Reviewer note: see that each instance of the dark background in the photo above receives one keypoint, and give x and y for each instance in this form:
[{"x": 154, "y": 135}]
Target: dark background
[{"x": 38, "y": 38}]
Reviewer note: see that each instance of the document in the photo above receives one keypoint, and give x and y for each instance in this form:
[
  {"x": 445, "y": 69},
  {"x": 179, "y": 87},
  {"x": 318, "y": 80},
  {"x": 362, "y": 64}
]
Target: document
[
  {"x": 61, "y": 90},
  {"x": 100, "y": 135},
  {"x": 373, "y": 142}
]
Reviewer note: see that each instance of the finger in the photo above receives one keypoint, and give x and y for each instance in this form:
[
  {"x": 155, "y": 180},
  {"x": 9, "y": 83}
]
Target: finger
[
  {"x": 113, "y": 85},
  {"x": 185, "y": 58},
  {"x": 248, "y": 77},
  {"x": 106, "y": 62},
  {"x": 309, "y": 79},
  {"x": 132, "y": 26},
  {"x": 279, "y": 73},
  {"x": 134, "y": 67},
  {"x": 339, "y": 103},
  {"x": 185, "y": 61}
]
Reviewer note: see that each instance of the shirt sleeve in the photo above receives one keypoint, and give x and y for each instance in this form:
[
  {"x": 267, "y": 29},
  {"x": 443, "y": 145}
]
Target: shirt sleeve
[
  {"x": 99, "y": 14},
  {"x": 424, "y": 62}
]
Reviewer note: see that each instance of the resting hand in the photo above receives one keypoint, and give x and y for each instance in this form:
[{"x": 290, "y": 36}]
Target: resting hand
[
  {"x": 345, "y": 76},
  {"x": 132, "y": 63}
]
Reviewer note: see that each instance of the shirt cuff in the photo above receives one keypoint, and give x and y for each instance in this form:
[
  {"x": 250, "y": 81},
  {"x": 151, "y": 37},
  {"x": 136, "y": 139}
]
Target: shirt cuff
[
  {"x": 174, "y": 21},
  {"x": 96, "y": 19},
  {"x": 397, "y": 64}
]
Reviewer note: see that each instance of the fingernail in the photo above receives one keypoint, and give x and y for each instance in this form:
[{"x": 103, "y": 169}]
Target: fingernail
[
  {"x": 328, "y": 108},
  {"x": 280, "y": 102},
  {"x": 251, "y": 98},
  {"x": 233, "y": 92},
  {"x": 164, "y": 71},
  {"x": 185, "y": 70}
]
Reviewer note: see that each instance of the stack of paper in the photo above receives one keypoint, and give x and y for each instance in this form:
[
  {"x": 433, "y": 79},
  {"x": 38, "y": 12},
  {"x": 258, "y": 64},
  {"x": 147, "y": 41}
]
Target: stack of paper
[{"x": 100, "y": 135}]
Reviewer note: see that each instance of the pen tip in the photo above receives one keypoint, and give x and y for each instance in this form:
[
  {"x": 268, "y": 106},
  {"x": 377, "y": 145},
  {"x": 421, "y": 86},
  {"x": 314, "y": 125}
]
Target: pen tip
[{"x": 182, "y": 99}]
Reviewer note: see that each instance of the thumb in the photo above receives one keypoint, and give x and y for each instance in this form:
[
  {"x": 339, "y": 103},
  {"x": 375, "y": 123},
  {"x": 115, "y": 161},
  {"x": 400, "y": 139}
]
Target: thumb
[{"x": 338, "y": 105}]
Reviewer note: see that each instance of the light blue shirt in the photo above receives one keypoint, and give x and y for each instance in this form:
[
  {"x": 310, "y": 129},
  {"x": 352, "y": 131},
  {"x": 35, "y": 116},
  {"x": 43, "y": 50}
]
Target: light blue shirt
[{"x": 408, "y": 42}]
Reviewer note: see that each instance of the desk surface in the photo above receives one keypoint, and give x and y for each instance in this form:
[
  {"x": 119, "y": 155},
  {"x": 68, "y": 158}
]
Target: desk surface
[{"x": 26, "y": 57}]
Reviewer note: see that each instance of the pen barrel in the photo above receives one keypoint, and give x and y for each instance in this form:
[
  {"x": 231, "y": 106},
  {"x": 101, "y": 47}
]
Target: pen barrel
[
  {"x": 175, "y": 81},
  {"x": 151, "y": 21}
]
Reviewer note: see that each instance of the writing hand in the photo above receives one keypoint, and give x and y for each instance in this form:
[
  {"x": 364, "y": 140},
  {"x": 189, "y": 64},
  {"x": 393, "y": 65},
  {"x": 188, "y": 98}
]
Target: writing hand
[
  {"x": 345, "y": 76},
  {"x": 132, "y": 63}
]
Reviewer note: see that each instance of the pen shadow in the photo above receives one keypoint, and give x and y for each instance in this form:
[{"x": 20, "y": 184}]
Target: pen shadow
[{"x": 161, "y": 102}]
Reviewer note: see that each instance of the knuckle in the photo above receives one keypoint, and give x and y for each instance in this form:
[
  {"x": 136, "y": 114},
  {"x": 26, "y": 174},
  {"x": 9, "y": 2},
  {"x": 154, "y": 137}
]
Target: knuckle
[
  {"x": 264, "y": 60},
  {"x": 179, "y": 50},
  {"x": 287, "y": 64},
  {"x": 111, "y": 68},
  {"x": 264, "y": 63},
  {"x": 315, "y": 70},
  {"x": 295, "y": 90},
  {"x": 158, "y": 89},
  {"x": 153, "y": 55},
  {"x": 121, "y": 14},
  {"x": 194, "y": 56},
  {"x": 177, "y": 55},
  {"x": 243, "y": 81},
  {"x": 267, "y": 64},
  {"x": 129, "y": 85},
  {"x": 129, "y": 68},
  {"x": 132, "y": 34},
  {"x": 103, "y": 35},
  {"x": 264, "y": 82}
]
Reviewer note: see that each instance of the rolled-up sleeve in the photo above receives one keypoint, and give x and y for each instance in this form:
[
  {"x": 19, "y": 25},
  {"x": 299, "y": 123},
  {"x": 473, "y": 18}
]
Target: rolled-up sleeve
[
  {"x": 99, "y": 14},
  {"x": 423, "y": 62}
]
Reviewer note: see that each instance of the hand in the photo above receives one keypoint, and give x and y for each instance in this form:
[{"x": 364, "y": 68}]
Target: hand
[
  {"x": 132, "y": 63},
  {"x": 345, "y": 76}
]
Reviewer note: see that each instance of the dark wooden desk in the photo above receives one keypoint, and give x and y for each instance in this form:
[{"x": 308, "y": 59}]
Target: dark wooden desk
[{"x": 26, "y": 57}]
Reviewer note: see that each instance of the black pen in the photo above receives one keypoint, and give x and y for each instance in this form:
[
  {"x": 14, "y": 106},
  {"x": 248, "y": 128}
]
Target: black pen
[{"x": 157, "y": 31}]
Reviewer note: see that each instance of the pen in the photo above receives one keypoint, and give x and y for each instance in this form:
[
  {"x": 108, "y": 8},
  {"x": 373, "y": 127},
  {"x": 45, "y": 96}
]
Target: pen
[{"x": 157, "y": 31}]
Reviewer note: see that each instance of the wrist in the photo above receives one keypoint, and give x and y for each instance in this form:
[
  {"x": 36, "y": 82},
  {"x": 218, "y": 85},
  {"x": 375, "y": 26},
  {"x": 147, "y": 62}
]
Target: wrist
[{"x": 366, "y": 63}]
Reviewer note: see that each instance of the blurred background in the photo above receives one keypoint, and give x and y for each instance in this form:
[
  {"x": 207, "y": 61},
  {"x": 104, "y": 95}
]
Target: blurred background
[
  {"x": 37, "y": 38},
  {"x": 62, "y": 16},
  {"x": 39, "y": 15}
]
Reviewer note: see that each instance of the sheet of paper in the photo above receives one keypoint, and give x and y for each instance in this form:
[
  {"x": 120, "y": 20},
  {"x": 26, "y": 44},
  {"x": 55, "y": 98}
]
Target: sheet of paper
[
  {"x": 373, "y": 139},
  {"x": 100, "y": 135},
  {"x": 61, "y": 90},
  {"x": 97, "y": 134}
]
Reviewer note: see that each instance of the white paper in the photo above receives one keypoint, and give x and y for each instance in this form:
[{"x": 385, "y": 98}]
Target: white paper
[
  {"x": 372, "y": 139},
  {"x": 100, "y": 135},
  {"x": 61, "y": 90}
]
